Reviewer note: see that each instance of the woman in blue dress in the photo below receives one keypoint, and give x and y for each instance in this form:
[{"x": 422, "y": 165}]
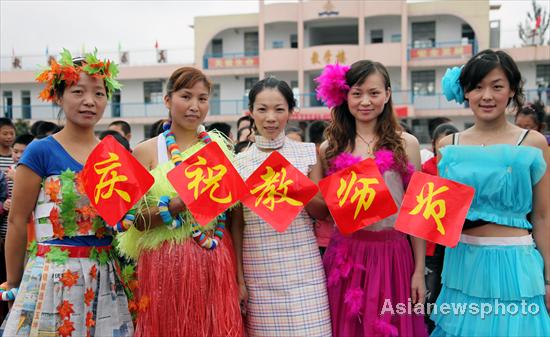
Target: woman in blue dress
[{"x": 498, "y": 273}]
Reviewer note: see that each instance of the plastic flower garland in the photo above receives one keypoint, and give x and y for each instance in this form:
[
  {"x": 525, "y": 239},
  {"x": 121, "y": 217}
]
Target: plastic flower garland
[
  {"x": 450, "y": 84},
  {"x": 68, "y": 73},
  {"x": 332, "y": 88}
]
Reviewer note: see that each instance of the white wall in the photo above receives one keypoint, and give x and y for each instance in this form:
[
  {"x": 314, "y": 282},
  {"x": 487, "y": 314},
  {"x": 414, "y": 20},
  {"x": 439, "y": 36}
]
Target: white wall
[
  {"x": 279, "y": 31},
  {"x": 389, "y": 24}
]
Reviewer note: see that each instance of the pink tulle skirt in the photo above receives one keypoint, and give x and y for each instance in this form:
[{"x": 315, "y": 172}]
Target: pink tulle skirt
[
  {"x": 368, "y": 274},
  {"x": 192, "y": 291}
]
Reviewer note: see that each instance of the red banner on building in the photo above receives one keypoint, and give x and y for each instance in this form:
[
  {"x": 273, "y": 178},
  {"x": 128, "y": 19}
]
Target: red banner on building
[
  {"x": 357, "y": 196},
  {"x": 278, "y": 191},
  {"x": 434, "y": 209},
  {"x": 114, "y": 180},
  {"x": 207, "y": 183},
  {"x": 233, "y": 62},
  {"x": 443, "y": 52}
]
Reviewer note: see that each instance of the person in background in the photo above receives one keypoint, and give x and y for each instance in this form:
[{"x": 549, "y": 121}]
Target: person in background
[
  {"x": 156, "y": 128},
  {"x": 323, "y": 227},
  {"x": 45, "y": 129},
  {"x": 294, "y": 133},
  {"x": 242, "y": 146},
  {"x": 531, "y": 117},
  {"x": 123, "y": 128},
  {"x": 224, "y": 128},
  {"x": 244, "y": 122},
  {"x": 245, "y": 134},
  {"x": 445, "y": 129},
  {"x": 118, "y": 136}
]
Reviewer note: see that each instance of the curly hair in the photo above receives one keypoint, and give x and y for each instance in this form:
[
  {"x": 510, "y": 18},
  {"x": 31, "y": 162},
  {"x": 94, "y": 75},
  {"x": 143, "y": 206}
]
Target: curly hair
[{"x": 341, "y": 132}]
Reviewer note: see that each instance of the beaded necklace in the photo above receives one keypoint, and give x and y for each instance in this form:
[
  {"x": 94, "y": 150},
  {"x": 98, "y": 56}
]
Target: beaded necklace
[{"x": 199, "y": 236}]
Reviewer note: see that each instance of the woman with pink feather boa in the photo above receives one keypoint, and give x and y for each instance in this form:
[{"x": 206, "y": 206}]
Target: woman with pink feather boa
[{"x": 375, "y": 266}]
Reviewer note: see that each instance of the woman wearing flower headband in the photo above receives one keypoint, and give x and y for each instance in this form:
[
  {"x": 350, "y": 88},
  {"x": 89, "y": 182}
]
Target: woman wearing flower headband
[
  {"x": 70, "y": 285},
  {"x": 374, "y": 266},
  {"x": 495, "y": 271},
  {"x": 283, "y": 272},
  {"x": 186, "y": 275}
]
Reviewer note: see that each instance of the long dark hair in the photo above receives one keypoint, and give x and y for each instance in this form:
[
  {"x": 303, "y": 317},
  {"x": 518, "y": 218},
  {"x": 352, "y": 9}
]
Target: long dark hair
[{"x": 341, "y": 131}]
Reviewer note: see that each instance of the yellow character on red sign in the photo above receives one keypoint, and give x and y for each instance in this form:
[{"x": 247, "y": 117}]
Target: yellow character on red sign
[
  {"x": 364, "y": 195},
  {"x": 429, "y": 205},
  {"x": 210, "y": 180},
  {"x": 109, "y": 177},
  {"x": 274, "y": 189}
]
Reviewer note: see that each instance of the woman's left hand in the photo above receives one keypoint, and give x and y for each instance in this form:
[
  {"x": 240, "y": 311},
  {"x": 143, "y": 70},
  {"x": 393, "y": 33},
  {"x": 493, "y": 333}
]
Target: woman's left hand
[{"x": 418, "y": 287}]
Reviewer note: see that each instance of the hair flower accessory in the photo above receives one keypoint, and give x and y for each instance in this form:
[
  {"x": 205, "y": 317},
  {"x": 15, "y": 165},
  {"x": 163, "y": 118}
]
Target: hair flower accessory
[
  {"x": 332, "y": 88},
  {"x": 450, "y": 84},
  {"x": 67, "y": 73}
]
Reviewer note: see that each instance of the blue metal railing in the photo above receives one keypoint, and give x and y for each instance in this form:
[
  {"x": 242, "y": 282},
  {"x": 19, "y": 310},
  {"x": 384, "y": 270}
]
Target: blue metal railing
[{"x": 433, "y": 101}]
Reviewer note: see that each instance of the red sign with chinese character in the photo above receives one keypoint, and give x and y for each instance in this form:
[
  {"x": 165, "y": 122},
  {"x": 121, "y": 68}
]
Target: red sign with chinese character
[
  {"x": 357, "y": 196},
  {"x": 454, "y": 51},
  {"x": 278, "y": 191},
  {"x": 114, "y": 180},
  {"x": 434, "y": 209},
  {"x": 207, "y": 183}
]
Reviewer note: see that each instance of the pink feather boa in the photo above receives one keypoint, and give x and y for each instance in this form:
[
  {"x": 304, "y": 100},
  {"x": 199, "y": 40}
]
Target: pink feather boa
[{"x": 384, "y": 159}]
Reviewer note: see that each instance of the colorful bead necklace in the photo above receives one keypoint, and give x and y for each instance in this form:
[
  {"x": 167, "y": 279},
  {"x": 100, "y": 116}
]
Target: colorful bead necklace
[{"x": 199, "y": 236}]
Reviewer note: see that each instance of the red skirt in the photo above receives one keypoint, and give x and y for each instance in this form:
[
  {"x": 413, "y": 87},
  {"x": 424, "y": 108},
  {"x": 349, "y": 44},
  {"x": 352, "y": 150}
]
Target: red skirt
[{"x": 192, "y": 291}]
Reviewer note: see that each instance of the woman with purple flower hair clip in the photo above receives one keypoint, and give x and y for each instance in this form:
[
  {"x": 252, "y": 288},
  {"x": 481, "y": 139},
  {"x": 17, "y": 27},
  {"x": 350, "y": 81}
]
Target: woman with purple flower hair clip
[{"x": 374, "y": 268}]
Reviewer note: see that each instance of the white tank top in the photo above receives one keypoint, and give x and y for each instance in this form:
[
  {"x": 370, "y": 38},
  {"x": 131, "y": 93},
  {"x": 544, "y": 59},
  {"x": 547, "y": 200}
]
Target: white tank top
[{"x": 162, "y": 151}]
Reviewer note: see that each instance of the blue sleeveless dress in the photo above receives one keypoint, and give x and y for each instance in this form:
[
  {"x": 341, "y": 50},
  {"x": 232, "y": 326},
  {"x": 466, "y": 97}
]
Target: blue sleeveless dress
[{"x": 500, "y": 275}]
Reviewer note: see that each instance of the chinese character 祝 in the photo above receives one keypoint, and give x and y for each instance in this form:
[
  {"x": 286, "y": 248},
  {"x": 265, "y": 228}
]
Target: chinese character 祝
[{"x": 210, "y": 180}]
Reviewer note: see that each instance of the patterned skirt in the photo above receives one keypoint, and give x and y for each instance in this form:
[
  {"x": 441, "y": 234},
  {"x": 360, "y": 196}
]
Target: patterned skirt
[
  {"x": 74, "y": 297},
  {"x": 285, "y": 280}
]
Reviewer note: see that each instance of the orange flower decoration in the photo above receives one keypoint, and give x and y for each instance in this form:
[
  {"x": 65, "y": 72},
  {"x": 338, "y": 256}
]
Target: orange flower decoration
[
  {"x": 100, "y": 232},
  {"x": 79, "y": 184},
  {"x": 66, "y": 329},
  {"x": 93, "y": 272},
  {"x": 132, "y": 306},
  {"x": 90, "y": 320},
  {"x": 69, "y": 278},
  {"x": 133, "y": 285},
  {"x": 143, "y": 303},
  {"x": 58, "y": 230},
  {"x": 84, "y": 226},
  {"x": 52, "y": 188},
  {"x": 65, "y": 309},
  {"x": 87, "y": 211},
  {"x": 89, "y": 296}
]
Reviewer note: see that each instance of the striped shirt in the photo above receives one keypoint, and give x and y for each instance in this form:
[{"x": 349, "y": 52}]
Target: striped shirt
[{"x": 5, "y": 163}]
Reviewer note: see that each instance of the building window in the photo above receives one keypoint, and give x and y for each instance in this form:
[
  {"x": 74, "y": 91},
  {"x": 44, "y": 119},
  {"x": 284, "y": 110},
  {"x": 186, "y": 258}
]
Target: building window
[
  {"x": 278, "y": 44},
  {"x": 423, "y": 34},
  {"x": 115, "y": 104},
  {"x": 396, "y": 37},
  {"x": 217, "y": 48},
  {"x": 495, "y": 34},
  {"x": 251, "y": 43},
  {"x": 26, "y": 104},
  {"x": 468, "y": 34},
  {"x": 152, "y": 92},
  {"x": 423, "y": 82},
  {"x": 376, "y": 36},
  {"x": 249, "y": 83},
  {"x": 293, "y": 40},
  {"x": 543, "y": 74},
  {"x": 7, "y": 102},
  {"x": 215, "y": 101}
]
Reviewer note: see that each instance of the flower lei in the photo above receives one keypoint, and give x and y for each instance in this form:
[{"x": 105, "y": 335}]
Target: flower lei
[
  {"x": 67, "y": 73},
  {"x": 332, "y": 87},
  {"x": 199, "y": 236},
  {"x": 450, "y": 85}
]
